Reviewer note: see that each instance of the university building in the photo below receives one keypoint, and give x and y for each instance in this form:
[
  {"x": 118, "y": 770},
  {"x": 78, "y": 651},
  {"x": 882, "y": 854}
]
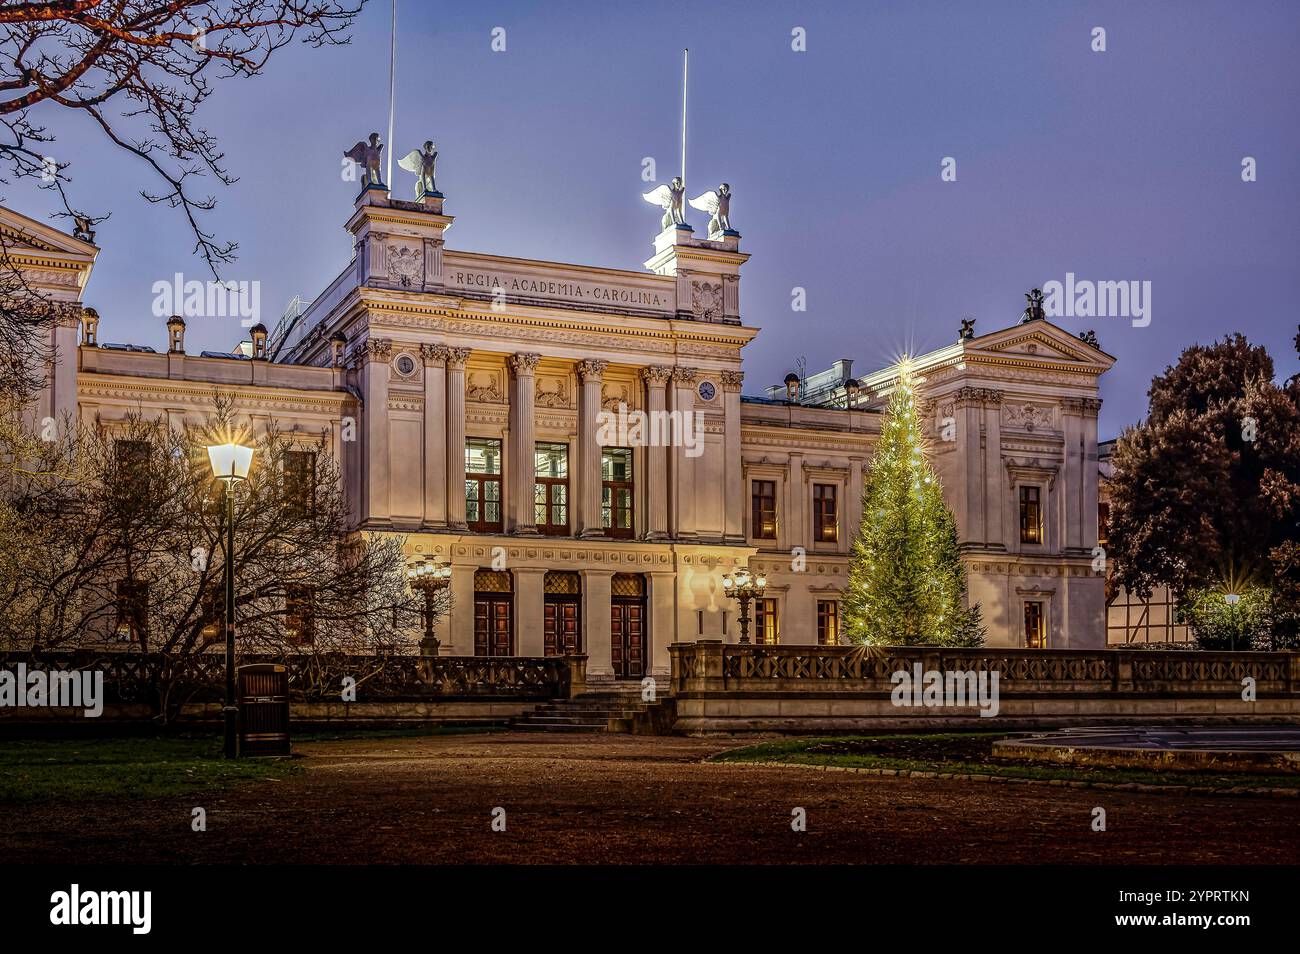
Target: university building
[{"x": 580, "y": 445}]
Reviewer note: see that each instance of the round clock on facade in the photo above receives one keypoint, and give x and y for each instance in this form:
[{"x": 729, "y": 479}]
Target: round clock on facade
[
  {"x": 707, "y": 391},
  {"x": 405, "y": 364}
]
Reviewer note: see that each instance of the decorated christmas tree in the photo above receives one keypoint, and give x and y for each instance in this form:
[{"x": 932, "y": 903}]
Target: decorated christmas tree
[{"x": 907, "y": 585}]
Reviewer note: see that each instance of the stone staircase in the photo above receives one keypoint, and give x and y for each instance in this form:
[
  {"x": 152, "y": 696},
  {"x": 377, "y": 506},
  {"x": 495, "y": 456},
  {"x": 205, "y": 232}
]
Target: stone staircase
[{"x": 614, "y": 708}]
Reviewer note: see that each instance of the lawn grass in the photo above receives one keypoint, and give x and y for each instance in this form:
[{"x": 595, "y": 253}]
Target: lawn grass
[
  {"x": 970, "y": 753},
  {"x": 123, "y": 768},
  {"x": 156, "y": 766}
]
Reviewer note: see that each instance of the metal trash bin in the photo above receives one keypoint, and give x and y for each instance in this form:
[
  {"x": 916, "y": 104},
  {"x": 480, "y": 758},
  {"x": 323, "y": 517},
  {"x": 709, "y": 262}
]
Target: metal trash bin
[{"x": 263, "y": 693}]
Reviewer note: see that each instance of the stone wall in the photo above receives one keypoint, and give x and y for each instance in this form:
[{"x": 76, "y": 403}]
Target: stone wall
[{"x": 721, "y": 688}]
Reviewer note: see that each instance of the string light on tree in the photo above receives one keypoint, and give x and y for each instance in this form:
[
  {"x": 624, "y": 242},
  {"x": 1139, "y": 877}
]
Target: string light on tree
[{"x": 907, "y": 585}]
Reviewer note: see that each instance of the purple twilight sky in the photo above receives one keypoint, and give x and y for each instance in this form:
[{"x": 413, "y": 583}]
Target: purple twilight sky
[{"x": 1122, "y": 165}]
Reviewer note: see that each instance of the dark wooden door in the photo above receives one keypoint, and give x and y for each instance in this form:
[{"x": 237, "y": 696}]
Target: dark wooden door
[
  {"x": 562, "y": 634},
  {"x": 493, "y": 632},
  {"x": 628, "y": 637}
]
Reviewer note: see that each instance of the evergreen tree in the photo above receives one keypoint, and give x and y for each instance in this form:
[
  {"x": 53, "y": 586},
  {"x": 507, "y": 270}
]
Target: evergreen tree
[{"x": 907, "y": 585}]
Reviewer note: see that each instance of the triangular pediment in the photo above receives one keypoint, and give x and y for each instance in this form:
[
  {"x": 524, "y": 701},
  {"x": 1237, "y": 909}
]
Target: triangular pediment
[
  {"x": 1038, "y": 340},
  {"x": 26, "y": 235}
]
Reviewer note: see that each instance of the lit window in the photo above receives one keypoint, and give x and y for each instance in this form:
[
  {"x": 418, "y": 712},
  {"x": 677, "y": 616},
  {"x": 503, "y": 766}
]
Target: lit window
[
  {"x": 616, "y": 491},
  {"x": 1031, "y": 515},
  {"x": 763, "y": 509},
  {"x": 551, "y": 490},
  {"x": 483, "y": 484}
]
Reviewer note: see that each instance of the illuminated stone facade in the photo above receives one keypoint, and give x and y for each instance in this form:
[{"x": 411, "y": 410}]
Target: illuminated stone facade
[{"x": 468, "y": 395}]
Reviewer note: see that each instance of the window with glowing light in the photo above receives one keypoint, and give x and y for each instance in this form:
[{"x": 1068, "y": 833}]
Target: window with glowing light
[
  {"x": 762, "y": 509},
  {"x": 1031, "y": 515},
  {"x": 483, "y": 484},
  {"x": 551, "y": 488}
]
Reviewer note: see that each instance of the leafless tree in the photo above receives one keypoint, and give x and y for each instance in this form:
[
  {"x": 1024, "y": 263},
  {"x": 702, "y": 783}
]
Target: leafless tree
[
  {"x": 116, "y": 537},
  {"x": 138, "y": 70}
]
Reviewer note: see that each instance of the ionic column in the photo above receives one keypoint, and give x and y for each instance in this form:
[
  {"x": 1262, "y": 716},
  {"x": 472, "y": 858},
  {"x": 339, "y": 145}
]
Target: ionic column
[
  {"x": 734, "y": 526},
  {"x": 456, "y": 358},
  {"x": 523, "y": 437},
  {"x": 374, "y": 389},
  {"x": 592, "y": 373},
  {"x": 656, "y": 381},
  {"x": 435, "y": 434},
  {"x": 682, "y": 505}
]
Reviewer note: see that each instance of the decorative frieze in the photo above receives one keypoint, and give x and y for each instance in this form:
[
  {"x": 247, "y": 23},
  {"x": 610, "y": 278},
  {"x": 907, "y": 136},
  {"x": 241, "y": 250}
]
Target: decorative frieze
[{"x": 1028, "y": 417}]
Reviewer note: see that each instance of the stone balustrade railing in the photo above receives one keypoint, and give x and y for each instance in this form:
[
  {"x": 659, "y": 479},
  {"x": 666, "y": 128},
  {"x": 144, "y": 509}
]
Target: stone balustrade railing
[
  {"x": 131, "y": 677},
  {"x": 712, "y": 666}
]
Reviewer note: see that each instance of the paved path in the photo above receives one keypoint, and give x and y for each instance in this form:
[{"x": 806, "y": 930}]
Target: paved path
[{"x": 618, "y": 799}]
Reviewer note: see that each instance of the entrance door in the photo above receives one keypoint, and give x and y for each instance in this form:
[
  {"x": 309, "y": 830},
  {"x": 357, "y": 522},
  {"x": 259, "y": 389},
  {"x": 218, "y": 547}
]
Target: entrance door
[
  {"x": 562, "y": 619},
  {"x": 492, "y": 630},
  {"x": 627, "y": 626}
]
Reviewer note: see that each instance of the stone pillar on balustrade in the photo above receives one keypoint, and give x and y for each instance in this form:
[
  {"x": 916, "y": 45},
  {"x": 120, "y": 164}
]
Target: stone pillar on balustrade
[
  {"x": 523, "y": 396},
  {"x": 435, "y": 435},
  {"x": 735, "y": 496},
  {"x": 592, "y": 374},
  {"x": 456, "y": 358},
  {"x": 375, "y": 356},
  {"x": 657, "y": 495},
  {"x": 681, "y": 467}
]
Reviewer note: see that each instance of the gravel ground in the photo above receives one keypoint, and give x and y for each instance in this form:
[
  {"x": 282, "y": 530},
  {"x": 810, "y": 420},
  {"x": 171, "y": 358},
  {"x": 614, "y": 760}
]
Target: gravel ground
[{"x": 620, "y": 799}]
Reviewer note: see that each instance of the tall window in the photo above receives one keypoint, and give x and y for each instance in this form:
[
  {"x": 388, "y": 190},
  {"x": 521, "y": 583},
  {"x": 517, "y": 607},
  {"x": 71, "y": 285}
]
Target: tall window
[
  {"x": 616, "y": 491},
  {"x": 300, "y": 481},
  {"x": 1035, "y": 625},
  {"x": 132, "y": 459},
  {"x": 1031, "y": 515},
  {"x": 1103, "y": 523},
  {"x": 828, "y": 622},
  {"x": 767, "y": 627},
  {"x": 299, "y": 616},
  {"x": 483, "y": 484},
  {"x": 825, "y": 513},
  {"x": 763, "y": 507},
  {"x": 551, "y": 491},
  {"x": 132, "y": 610}
]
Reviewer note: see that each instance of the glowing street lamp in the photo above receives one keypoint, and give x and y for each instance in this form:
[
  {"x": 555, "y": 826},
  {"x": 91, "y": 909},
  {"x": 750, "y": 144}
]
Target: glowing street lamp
[
  {"x": 230, "y": 463},
  {"x": 430, "y": 579},
  {"x": 742, "y": 586}
]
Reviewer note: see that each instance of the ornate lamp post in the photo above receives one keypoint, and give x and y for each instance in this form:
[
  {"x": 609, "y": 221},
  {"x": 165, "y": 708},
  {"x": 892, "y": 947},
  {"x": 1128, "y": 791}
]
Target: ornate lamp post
[
  {"x": 742, "y": 586},
  {"x": 1232, "y": 599},
  {"x": 430, "y": 579},
  {"x": 230, "y": 464}
]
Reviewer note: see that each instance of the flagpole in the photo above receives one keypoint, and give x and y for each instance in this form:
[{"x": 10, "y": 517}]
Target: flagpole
[
  {"x": 686, "y": 54},
  {"x": 392, "y": 67}
]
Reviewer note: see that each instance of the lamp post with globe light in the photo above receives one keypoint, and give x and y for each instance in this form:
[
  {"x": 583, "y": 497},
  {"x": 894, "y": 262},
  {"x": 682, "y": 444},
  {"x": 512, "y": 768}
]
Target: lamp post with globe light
[
  {"x": 230, "y": 464},
  {"x": 430, "y": 579},
  {"x": 743, "y": 587}
]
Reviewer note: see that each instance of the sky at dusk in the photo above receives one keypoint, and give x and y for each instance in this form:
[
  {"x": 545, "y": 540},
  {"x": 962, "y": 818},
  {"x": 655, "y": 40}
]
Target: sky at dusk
[{"x": 1122, "y": 165}]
